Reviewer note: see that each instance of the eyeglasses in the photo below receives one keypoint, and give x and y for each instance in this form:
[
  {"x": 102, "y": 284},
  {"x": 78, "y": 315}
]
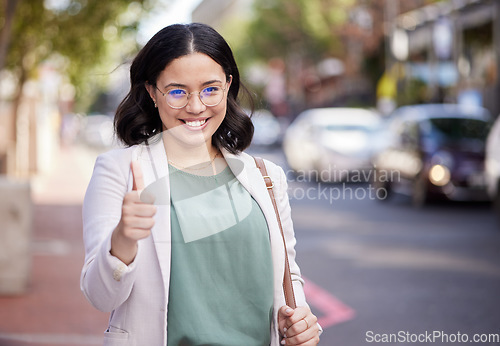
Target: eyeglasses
[{"x": 178, "y": 98}]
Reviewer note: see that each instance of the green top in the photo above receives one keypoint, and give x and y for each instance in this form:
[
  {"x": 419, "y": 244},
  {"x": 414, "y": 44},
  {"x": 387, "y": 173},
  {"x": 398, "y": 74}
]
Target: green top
[{"x": 221, "y": 279}]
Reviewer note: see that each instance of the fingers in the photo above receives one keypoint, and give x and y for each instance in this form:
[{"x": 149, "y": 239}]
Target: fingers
[
  {"x": 283, "y": 314},
  {"x": 300, "y": 327},
  {"x": 295, "y": 316},
  {"x": 138, "y": 209},
  {"x": 138, "y": 178},
  {"x": 309, "y": 336},
  {"x": 139, "y": 223},
  {"x": 136, "y": 214}
]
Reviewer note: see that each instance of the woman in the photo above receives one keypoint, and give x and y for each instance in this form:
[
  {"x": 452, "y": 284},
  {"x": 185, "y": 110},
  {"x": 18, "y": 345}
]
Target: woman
[{"x": 195, "y": 259}]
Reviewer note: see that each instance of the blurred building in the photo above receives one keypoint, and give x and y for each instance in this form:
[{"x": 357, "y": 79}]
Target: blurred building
[
  {"x": 29, "y": 124},
  {"x": 431, "y": 51},
  {"x": 452, "y": 48},
  {"x": 311, "y": 83}
]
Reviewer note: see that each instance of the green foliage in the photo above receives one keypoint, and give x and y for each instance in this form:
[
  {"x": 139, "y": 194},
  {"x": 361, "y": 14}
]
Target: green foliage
[
  {"x": 308, "y": 27},
  {"x": 29, "y": 30},
  {"x": 75, "y": 34}
]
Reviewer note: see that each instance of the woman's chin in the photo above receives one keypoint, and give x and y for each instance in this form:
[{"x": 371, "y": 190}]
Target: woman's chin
[{"x": 186, "y": 137}]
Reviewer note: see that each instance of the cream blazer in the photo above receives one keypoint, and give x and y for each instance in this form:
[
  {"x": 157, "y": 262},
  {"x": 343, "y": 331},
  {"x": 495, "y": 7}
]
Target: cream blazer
[{"x": 137, "y": 294}]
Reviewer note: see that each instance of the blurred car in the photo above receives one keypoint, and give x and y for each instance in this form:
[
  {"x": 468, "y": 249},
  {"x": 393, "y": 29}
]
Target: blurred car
[
  {"x": 267, "y": 129},
  {"x": 493, "y": 165},
  {"x": 331, "y": 143},
  {"x": 435, "y": 150}
]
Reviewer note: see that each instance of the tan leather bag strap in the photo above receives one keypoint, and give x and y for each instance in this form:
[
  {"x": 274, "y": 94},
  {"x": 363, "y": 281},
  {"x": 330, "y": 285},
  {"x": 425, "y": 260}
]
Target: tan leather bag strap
[{"x": 287, "y": 278}]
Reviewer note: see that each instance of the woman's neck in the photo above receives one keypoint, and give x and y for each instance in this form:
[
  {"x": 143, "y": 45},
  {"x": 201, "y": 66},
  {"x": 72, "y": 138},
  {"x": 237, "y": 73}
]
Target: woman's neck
[{"x": 183, "y": 155}]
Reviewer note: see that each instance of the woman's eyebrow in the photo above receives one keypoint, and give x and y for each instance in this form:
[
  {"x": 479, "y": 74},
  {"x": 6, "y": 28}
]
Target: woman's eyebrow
[
  {"x": 175, "y": 85},
  {"x": 183, "y": 86},
  {"x": 212, "y": 82}
]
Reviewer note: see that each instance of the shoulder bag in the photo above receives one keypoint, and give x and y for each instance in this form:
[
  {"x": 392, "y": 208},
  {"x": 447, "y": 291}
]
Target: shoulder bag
[{"x": 287, "y": 278}]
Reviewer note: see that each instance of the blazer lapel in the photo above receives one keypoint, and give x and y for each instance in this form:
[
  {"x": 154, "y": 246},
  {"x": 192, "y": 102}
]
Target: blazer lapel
[
  {"x": 244, "y": 168},
  {"x": 154, "y": 166}
]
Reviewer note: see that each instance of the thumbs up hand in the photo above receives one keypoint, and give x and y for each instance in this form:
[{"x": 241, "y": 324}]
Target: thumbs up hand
[{"x": 136, "y": 221}]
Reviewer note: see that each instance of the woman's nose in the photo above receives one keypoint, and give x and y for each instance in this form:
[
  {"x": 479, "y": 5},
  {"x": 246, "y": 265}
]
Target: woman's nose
[{"x": 194, "y": 104}]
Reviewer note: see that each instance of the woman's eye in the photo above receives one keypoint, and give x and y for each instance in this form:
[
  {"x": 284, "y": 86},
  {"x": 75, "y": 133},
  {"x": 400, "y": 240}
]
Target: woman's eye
[
  {"x": 210, "y": 90},
  {"x": 177, "y": 93}
]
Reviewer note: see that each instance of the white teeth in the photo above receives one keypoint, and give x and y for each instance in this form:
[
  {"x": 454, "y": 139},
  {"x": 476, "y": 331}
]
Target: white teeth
[{"x": 196, "y": 123}]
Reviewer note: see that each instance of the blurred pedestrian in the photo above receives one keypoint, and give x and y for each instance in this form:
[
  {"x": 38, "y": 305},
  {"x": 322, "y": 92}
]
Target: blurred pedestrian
[{"x": 182, "y": 242}]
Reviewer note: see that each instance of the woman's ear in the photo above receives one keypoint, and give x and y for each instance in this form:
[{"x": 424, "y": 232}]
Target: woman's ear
[{"x": 151, "y": 91}]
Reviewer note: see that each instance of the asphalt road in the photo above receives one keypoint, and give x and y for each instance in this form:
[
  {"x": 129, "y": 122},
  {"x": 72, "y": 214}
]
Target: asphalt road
[{"x": 386, "y": 273}]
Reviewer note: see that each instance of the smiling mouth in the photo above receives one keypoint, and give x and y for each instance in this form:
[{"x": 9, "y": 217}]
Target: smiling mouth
[{"x": 195, "y": 123}]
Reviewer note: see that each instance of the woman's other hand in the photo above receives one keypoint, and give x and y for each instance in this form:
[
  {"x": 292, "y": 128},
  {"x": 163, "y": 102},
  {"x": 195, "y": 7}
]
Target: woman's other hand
[
  {"x": 136, "y": 220},
  {"x": 299, "y": 326}
]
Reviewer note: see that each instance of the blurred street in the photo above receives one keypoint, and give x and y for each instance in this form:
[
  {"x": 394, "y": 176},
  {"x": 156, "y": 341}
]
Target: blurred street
[
  {"x": 370, "y": 266},
  {"x": 399, "y": 268},
  {"x": 54, "y": 311},
  {"x": 359, "y": 88}
]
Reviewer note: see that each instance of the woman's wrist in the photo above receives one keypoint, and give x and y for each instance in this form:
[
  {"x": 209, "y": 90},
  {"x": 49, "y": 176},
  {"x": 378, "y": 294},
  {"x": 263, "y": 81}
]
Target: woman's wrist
[{"x": 123, "y": 248}]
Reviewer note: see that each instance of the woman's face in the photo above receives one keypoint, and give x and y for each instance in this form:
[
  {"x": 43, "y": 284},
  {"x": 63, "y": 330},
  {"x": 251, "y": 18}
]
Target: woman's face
[{"x": 194, "y": 124}]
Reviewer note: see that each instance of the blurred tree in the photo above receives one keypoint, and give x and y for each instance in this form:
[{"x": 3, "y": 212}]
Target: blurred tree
[
  {"x": 305, "y": 32},
  {"x": 305, "y": 26},
  {"x": 79, "y": 32},
  {"x": 74, "y": 35},
  {"x": 300, "y": 33},
  {"x": 8, "y": 10}
]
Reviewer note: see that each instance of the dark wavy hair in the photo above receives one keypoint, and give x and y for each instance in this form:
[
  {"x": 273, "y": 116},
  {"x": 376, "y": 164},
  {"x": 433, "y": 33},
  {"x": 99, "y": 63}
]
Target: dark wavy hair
[{"x": 137, "y": 119}]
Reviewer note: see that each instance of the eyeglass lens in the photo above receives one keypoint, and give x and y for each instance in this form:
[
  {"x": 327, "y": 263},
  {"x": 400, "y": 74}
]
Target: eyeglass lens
[{"x": 210, "y": 96}]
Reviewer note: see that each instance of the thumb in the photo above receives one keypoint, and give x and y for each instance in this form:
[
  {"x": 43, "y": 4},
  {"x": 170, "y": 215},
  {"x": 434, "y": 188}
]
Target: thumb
[
  {"x": 137, "y": 177},
  {"x": 285, "y": 311}
]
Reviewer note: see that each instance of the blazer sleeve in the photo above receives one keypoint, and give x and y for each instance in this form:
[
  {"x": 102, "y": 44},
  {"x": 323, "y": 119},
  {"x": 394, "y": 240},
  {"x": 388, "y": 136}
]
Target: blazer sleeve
[{"x": 105, "y": 281}]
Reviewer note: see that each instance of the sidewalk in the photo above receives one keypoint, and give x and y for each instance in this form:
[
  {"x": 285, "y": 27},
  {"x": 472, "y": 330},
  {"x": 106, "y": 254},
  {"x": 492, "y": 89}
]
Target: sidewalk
[{"x": 54, "y": 310}]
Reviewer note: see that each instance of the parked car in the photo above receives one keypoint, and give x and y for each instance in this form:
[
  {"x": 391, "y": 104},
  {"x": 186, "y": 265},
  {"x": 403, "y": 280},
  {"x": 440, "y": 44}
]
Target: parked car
[
  {"x": 435, "y": 150},
  {"x": 267, "y": 128},
  {"x": 493, "y": 165},
  {"x": 332, "y": 144}
]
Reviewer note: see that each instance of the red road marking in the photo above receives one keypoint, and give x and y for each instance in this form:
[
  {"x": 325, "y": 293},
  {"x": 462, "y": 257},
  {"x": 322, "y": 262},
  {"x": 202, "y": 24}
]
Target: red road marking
[{"x": 334, "y": 311}]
